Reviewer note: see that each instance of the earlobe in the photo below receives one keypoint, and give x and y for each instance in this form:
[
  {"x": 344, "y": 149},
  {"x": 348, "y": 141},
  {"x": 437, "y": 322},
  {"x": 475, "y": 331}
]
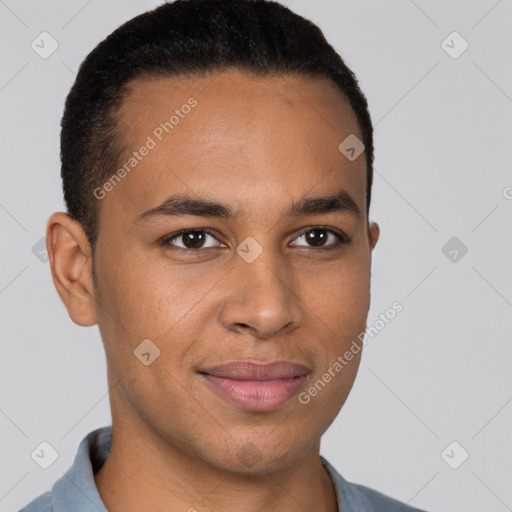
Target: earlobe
[
  {"x": 373, "y": 234},
  {"x": 70, "y": 258}
]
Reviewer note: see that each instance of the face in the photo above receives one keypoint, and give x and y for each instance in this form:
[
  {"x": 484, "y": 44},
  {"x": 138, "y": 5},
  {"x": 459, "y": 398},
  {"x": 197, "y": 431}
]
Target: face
[{"x": 265, "y": 274}]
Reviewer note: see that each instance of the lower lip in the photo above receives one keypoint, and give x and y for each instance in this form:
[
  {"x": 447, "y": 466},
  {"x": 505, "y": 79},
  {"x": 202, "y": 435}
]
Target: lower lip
[{"x": 257, "y": 395}]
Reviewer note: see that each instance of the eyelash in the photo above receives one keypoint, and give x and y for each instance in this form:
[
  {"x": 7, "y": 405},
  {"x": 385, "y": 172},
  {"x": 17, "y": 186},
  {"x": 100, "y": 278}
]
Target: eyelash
[{"x": 342, "y": 239}]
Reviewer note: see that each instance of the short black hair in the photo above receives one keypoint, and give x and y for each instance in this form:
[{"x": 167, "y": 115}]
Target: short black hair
[{"x": 186, "y": 37}]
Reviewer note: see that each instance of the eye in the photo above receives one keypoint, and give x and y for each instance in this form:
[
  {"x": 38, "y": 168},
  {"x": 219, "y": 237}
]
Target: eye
[
  {"x": 194, "y": 240},
  {"x": 319, "y": 236},
  {"x": 191, "y": 239}
]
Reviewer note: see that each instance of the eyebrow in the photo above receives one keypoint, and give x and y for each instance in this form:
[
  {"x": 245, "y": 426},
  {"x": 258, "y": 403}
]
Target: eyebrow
[{"x": 183, "y": 205}]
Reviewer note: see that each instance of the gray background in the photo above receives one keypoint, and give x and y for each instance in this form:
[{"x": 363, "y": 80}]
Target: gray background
[{"x": 439, "y": 372}]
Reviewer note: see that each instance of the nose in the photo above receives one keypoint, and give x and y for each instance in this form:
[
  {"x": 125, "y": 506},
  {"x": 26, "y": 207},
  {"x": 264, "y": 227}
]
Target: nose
[{"x": 262, "y": 300}]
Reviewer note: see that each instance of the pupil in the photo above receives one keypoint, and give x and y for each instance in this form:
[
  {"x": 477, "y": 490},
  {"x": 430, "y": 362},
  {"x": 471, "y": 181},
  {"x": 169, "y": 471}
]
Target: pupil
[
  {"x": 316, "y": 240},
  {"x": 196, "y": 239}
]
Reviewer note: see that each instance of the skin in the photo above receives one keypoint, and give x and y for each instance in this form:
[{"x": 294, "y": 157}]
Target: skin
[{"x": 257, "y": 145}]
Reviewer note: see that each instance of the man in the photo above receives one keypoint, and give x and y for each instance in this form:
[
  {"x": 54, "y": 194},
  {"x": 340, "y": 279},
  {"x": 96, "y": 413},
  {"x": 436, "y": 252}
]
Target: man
[{"x": 217, "y": 170}]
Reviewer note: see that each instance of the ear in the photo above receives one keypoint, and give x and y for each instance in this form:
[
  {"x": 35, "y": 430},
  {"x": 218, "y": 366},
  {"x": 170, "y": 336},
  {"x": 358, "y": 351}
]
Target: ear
[
  {"x": 373, "y": 234},
  {"x": 70, "y": 258}
]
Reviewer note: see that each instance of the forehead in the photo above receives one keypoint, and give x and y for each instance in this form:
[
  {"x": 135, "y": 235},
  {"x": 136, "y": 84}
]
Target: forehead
[
  {"x": 242, "y": 97},
  {"x": 234, "y": 131}
]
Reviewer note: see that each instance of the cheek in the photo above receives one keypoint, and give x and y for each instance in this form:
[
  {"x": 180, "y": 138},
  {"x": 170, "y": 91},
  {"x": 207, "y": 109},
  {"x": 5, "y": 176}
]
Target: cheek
[
  {"x": 340, "y": 299},
  {"x": 146, "y": 298},
  {"x": 324, "y": 396},
  {"x": 153, "y": 302},
  {"x": 340, "y": 310}
]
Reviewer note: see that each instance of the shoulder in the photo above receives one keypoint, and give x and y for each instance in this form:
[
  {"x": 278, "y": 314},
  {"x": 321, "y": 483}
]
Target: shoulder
[
  {"x": 354, "y": 497},
  {"x": 381, "y": 502},
  {"x": 42, "y": 503},
  {"x": 76, "y": 489}
]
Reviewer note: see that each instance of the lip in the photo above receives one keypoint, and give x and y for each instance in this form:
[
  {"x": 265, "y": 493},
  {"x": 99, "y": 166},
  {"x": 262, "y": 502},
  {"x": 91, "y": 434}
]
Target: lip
[
  {"x": 254, "y": 370},
  {"x": 257, "y": 386}
]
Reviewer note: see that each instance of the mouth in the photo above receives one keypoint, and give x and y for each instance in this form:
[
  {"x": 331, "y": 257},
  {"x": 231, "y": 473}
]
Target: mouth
[{"x": 256, "y": 386}]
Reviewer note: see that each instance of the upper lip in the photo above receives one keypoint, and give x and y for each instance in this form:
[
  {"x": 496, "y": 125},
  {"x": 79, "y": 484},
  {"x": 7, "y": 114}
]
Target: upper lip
[{"x": 250, "y": 370}]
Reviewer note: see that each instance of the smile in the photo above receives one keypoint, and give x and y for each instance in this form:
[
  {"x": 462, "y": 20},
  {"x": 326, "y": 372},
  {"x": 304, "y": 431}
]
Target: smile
[
  {"x": 257, "y": 395},
  {"x": 256, "y": 386}
]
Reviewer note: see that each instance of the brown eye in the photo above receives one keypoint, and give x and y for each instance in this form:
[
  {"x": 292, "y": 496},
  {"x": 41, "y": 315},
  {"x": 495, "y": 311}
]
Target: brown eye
[
  {"x": 318, "y": 237},
  {"x": 193, "y": 239},
  {"x": 190, "y": 239}
]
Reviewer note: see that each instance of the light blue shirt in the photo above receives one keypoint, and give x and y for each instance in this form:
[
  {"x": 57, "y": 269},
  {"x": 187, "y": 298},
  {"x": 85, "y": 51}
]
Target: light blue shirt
[{"x": 76, "y": 491}]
